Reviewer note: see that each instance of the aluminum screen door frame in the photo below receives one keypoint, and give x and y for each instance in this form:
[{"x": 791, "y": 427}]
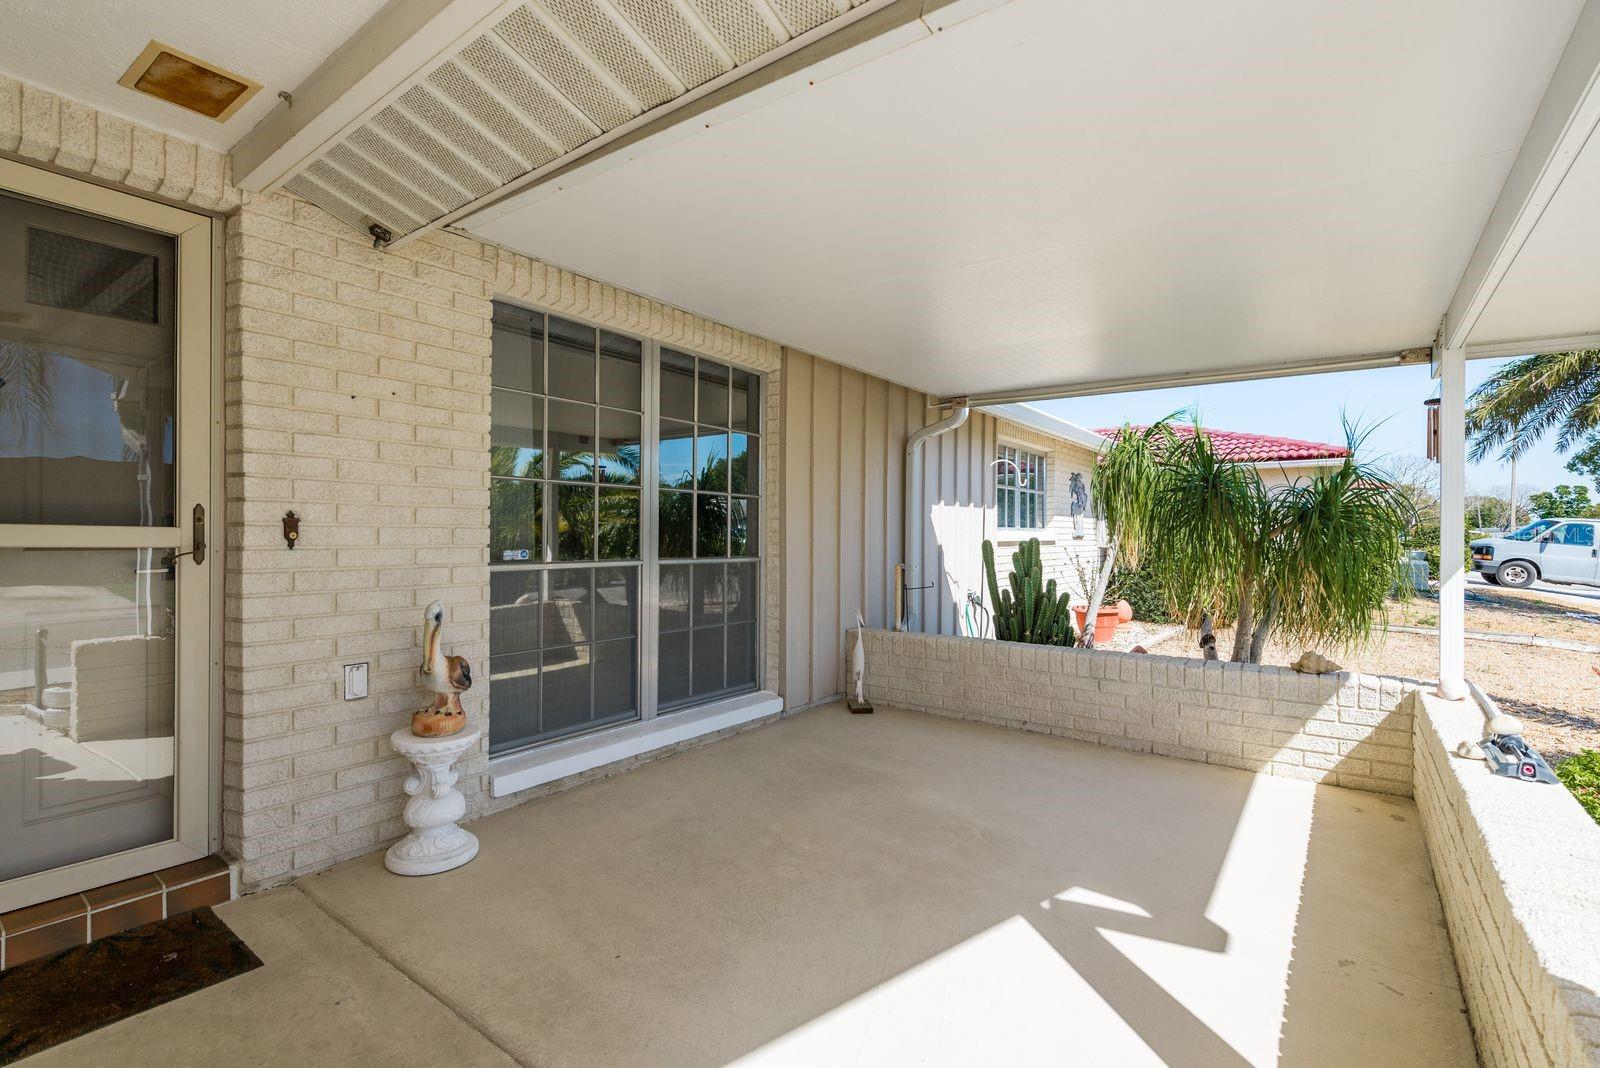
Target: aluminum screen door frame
[{"x": 196, "y": 670}]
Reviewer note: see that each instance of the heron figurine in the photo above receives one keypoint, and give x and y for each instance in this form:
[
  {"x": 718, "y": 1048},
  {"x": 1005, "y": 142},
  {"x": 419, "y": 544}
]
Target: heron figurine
[{"x": 448, "y": 677}]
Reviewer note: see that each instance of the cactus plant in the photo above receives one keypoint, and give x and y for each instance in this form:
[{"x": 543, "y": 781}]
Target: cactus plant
[{"x": 1030, "y": 610}]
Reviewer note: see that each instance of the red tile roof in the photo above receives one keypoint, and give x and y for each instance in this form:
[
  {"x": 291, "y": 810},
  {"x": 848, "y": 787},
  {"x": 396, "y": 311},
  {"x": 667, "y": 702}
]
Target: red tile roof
[{"x": 1257, "y": 448}]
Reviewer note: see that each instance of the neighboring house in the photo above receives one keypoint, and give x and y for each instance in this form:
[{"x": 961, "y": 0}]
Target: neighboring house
[
  {"x": 1055, "y": 506},
  {"x": 1051, "y": 499},
  {"x": 1281, "y": 461}
]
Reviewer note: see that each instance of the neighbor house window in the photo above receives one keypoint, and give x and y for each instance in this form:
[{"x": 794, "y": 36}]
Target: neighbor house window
[{"x": 1020, "y": 489}]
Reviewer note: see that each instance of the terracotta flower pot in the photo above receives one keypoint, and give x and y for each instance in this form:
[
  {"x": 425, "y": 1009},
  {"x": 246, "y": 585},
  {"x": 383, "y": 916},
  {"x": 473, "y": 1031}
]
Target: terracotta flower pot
[
  {"x": 1124, "y": 612},
  {"x": 1105, "y": 621}
]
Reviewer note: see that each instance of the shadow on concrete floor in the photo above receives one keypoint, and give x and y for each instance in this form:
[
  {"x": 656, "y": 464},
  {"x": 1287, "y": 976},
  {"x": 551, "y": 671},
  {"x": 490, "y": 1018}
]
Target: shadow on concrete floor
[
  {"x": 831, "y": 889},
  {"x": 837, "y": 889}
]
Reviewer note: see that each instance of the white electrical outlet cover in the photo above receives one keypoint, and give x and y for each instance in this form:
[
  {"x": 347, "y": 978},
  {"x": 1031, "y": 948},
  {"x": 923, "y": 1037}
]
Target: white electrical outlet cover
[{"x": 355, "y": 681}]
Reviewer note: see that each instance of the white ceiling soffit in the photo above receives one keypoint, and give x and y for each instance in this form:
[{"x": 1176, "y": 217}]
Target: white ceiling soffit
[
  {"x": 1051, "y": 194},
  {"x": 80, "y": 49},
  {"x": 1532, "y": 283},
  {"x": 1552, "y": 290},
  {"x": 524, "y": 89}
]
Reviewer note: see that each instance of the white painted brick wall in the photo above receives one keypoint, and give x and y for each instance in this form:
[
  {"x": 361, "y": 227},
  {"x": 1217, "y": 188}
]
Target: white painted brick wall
[
  {"x": 1061, "y": 550},
  {"x": 1343, "y": 729},
  {"x": 1516, "y": 865}
]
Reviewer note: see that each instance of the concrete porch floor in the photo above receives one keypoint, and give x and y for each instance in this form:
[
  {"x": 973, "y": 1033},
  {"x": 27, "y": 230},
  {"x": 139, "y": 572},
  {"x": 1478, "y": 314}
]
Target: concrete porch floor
[{"x": 884, "y": 889}]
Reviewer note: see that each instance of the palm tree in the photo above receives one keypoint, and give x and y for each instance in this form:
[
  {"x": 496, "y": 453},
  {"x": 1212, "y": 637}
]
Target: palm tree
[
  {"x": 1123, "y": 487},
  {"x": 1313, "y": 561},
  {"x": 1339, "y": 554},
  {"x": 27, "y": 391},
  {"x": 1528, "y": 397},
  {"x": 1217, "y": 549}
]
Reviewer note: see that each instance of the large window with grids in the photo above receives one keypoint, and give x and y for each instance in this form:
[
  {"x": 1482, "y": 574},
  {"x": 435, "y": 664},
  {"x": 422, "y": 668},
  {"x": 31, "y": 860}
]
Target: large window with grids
[
  {"x": 624, "y": 505},
  {"x": 708, "y": 470},
  {"x": 1020, "y": 489}
]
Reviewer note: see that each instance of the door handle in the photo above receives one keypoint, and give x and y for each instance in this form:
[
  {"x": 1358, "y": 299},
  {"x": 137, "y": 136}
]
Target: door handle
[{"x": 198, "y": 527}]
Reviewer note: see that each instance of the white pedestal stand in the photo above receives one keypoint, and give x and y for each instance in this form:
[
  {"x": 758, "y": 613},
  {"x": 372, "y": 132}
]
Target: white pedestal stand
[{"x": 435, "y": 843}]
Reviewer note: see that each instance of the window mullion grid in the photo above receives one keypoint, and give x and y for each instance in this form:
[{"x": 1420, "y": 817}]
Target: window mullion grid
[
  {"x": 547, "y": 514},
  {"x": 594, "y": 514},
  {"x": 648, "y": 625},
  {"x": 694, "y": 470},
  {"x": 548, "y": 518}
]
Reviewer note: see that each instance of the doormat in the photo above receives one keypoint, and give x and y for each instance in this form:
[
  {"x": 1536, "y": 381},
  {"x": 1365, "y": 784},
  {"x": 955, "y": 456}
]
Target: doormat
[{"x": 46, "y": 1002}]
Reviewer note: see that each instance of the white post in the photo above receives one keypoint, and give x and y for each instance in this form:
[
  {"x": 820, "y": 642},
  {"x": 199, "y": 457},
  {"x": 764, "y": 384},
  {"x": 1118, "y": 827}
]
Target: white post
[{"x": 1451, "y": 366}]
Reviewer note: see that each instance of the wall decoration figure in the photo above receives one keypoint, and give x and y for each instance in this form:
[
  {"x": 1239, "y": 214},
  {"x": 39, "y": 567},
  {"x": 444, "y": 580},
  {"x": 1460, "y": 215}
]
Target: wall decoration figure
[
  {"x": 1080, "y": 502},
  {"x": 447, "y": 676}
]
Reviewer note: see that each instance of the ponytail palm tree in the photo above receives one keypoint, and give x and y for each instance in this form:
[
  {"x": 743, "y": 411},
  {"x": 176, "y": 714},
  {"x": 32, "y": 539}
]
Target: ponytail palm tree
[
  {"x": 1339, "y": 554},
  {"x": 1124, "y": 487},
  {"x": 27, "y": 392},
  {"x": 1313, "y": 561},
  {"x": 1217, "y": 546}
]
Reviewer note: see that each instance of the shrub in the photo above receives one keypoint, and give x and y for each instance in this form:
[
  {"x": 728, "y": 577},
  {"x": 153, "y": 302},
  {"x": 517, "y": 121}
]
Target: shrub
[
  {"x": 1581, "y": 775},
  {"x": 1425, "y": 536},
  {"x": 1142, "y": 588}
]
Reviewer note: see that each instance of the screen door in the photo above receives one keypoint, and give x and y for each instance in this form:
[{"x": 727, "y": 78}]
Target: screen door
[{"x": 105, "y": 531}]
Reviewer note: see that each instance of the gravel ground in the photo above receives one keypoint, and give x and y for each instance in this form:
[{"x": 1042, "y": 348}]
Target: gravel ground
[
  {"x": 1136, "y": 633},
  {"x": 1555, "y": 693},
  {"x": 1506, "y": 612}
]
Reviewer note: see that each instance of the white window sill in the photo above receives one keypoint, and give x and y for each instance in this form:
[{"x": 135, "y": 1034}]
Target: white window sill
[
  {"x": 535, "y": 767},
  {"x": 1016, "y": 537}
]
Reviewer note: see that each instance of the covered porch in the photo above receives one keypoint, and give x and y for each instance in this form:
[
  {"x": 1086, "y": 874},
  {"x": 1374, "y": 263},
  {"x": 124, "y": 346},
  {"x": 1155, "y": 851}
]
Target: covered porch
[
  {"x": 888, "y": 889},
  {"x": 477, "y": 251}
]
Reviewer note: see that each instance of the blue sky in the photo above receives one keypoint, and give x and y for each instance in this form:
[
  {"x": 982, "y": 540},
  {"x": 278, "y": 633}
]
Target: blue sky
[{"x": 1310, "y": 407}]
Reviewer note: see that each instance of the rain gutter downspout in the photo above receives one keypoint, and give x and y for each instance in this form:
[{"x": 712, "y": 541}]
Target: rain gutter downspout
[{"x": 912, "y": 526}]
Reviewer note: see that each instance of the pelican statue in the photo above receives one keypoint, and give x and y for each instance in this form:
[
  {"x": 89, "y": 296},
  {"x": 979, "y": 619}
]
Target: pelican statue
[{"x": 448, "y": 677}]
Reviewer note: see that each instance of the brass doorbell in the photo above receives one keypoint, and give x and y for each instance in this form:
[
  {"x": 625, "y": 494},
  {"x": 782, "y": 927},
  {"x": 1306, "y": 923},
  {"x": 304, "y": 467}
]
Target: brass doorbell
[{"x": 291, "y": 528}]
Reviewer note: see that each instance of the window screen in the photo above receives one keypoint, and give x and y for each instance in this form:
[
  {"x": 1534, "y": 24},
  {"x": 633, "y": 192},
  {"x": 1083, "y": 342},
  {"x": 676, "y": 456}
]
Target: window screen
[{"x": 564, "y": 505}]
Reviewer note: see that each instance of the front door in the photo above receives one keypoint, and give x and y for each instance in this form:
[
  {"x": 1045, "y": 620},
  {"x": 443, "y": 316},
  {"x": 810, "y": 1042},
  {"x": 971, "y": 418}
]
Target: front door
[
  {"x": 1567, "y": 553},
  {"x": 105, "y": 530}
]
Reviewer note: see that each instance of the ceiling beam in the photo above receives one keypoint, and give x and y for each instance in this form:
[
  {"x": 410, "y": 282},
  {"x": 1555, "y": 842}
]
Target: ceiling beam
[
  {"x": 1537, "y": 346},
  {"x": 1566, "y": 118},
  {"x": 1362, "y": 361}
]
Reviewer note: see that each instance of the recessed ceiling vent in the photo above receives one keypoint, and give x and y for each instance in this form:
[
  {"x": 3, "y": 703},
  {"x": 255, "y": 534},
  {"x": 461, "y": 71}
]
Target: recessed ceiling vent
[
  {"x": 528, "y": 87},
  {"x": 194, "y": 85}
]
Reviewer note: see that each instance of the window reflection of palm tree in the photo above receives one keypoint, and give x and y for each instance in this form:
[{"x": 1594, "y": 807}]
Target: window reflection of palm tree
[
  {"x": 515, "y": 507},
  {"x": 27, "y": 388}
]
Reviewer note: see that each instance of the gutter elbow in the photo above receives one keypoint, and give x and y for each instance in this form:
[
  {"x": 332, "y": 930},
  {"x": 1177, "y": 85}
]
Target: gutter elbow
[{"x": 956, "y": 419}]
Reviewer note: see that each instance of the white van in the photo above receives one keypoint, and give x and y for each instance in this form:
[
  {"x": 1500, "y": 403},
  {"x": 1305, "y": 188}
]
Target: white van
[{"x": 1555, "y": 550}]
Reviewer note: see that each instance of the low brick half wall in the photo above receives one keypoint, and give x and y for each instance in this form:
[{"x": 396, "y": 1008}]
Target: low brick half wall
[
  {"x": 121, "y": 688},
  {"x": 1518, "y": 871},
  {"x": 1342, "y": 728}
]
